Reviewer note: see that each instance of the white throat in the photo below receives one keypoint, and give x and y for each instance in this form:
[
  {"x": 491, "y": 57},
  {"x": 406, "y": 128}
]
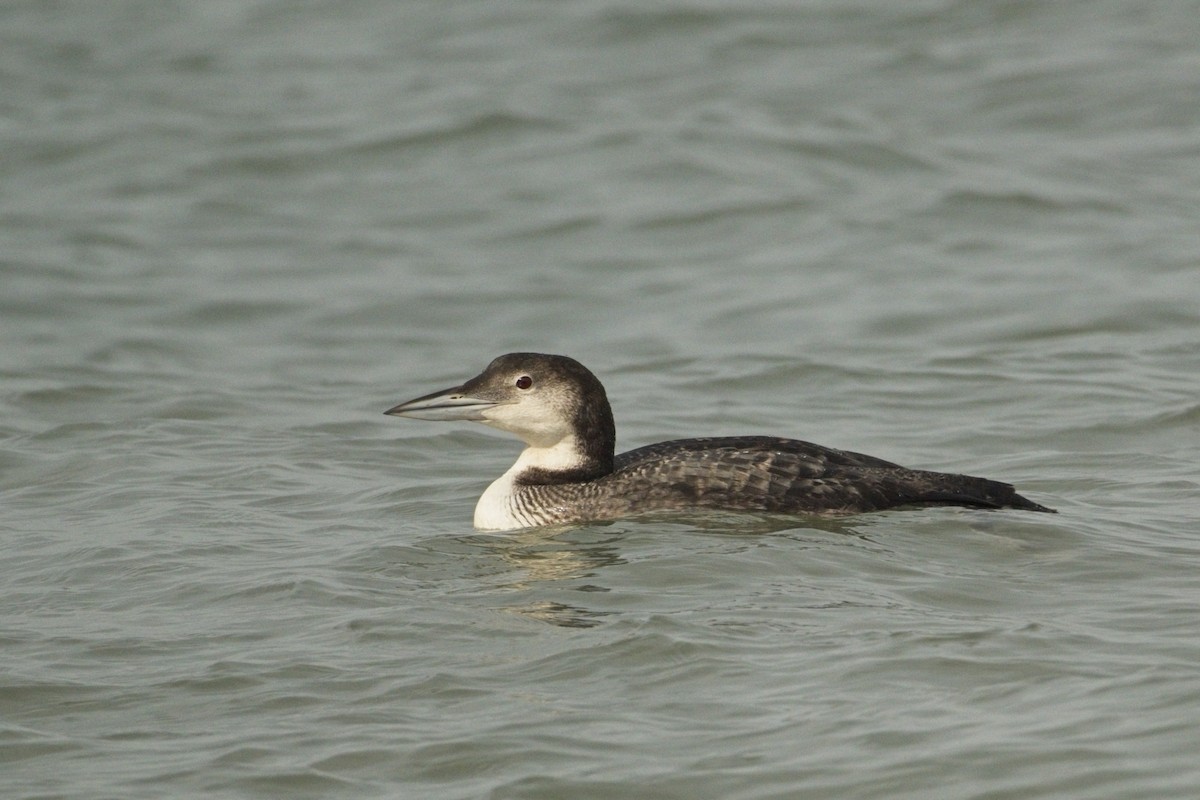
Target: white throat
[{"x": 496, "y": 509}]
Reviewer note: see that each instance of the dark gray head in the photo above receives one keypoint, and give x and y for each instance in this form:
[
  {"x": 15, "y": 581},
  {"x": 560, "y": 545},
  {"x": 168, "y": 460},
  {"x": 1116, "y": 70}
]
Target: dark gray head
[{"x": 548, "y": 401}]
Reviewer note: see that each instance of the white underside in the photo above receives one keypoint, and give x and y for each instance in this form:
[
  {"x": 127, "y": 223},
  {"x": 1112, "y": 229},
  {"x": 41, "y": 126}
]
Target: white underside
[
  {"x": 496, "y": 509},
  {"x": 493, "y": 512}
]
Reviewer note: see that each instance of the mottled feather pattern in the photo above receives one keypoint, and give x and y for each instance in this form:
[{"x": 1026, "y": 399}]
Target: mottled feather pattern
[
  {"x": 568, "y": 472},
  {"x": 755, "y": 473}
]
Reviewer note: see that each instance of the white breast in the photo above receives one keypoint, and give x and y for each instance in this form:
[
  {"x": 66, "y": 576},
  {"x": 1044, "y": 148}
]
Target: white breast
[
  {"x": 498, "y": 509},
  {"x": 494, "y": 511}
]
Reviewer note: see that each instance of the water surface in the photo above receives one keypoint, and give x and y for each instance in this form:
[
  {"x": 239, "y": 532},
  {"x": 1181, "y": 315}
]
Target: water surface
[{"x": 958, "y": 235}]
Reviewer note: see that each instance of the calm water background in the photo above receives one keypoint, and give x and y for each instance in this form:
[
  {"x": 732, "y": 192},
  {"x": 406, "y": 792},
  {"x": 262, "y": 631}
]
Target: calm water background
[{"x": 961, "y": 235}]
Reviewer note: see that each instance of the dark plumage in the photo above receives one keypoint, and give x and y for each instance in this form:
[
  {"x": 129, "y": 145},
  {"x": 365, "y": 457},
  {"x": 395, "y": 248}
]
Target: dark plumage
[
  {"x": 772, "y": 474},
  {"x": 569, "y": 473}
]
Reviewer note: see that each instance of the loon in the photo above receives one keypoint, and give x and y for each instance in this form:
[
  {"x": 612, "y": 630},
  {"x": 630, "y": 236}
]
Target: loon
[{"x": 568, "y": 472}]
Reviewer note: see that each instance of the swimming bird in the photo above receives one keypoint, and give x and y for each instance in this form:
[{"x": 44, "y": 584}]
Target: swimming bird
[{"x": 568, "y": 472}]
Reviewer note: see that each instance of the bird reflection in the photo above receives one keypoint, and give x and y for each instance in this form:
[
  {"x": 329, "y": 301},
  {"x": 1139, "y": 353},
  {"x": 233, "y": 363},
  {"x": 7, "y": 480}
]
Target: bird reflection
[
  {"x": 543, "y": 558},
  {"x": 560, "y": 614}
]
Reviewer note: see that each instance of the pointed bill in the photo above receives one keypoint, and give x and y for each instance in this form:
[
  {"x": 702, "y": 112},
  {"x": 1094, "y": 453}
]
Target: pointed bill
[{"x": 448, "y": 404}]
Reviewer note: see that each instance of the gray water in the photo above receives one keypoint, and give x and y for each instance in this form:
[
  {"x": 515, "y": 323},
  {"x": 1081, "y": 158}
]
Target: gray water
[{"x": 958, "y": 235}]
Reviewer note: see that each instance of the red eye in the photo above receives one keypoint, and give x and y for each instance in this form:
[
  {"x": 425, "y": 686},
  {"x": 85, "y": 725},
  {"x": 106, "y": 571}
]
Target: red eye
[{"x": 524, "y": 382}]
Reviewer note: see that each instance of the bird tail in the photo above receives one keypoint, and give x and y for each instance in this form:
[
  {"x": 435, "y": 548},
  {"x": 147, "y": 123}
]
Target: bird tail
[{"x": 967, "y": 490}]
